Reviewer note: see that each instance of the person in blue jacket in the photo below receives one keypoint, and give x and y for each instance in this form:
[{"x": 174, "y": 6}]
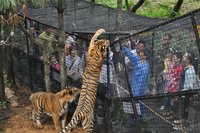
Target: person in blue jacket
[{"x": 140, "y": 71}]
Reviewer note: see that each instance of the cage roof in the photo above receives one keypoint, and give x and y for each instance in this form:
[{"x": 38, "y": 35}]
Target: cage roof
[{"x": 83, "y": 16}]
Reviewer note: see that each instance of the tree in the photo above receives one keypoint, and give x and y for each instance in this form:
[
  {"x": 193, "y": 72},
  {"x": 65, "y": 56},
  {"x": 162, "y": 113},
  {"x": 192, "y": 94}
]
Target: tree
[
  {"x": 119, "y": 15},
  {"x": 59, "y": 5},
  {"x": 177, "y": 7},
  {"x": 61, "y": 40},
  {"x": 6, "y": 9},
  {"x": 127, "y": 5},
  {"x": 136, "y": 6}
]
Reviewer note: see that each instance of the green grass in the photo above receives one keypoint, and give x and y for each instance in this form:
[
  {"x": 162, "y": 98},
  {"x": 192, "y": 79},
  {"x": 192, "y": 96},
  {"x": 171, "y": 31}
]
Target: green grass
[{"x": 156, "y": 8}]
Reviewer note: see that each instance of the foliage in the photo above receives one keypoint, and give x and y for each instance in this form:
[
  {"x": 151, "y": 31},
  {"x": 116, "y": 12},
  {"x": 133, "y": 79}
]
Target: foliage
[
  {"x": 156, "y": 8},
  {"x": 161, "y": 11},
  {"x": 8, "y": 4},
  {"x": 43, "y": 3}
]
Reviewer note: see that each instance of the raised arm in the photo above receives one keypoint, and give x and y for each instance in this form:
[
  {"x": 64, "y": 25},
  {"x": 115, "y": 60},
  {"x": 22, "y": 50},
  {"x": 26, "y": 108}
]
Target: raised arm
[{"x": 133, "y": 58}]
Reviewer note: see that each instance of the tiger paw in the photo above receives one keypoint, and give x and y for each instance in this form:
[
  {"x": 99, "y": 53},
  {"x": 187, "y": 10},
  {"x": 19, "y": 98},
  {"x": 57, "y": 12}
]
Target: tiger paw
[{"x": 40, "y": 126}]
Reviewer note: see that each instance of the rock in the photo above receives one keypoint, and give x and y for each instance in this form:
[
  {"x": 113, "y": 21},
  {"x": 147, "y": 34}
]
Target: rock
[{"x": 11, "y": 97}]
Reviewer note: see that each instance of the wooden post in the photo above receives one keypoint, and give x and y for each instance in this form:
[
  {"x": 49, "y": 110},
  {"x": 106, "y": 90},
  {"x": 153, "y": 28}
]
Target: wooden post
[{"x": 28, "y": 53}]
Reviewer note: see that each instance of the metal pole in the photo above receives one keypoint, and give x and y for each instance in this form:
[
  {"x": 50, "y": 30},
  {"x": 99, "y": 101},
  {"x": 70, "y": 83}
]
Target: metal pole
[
  {"x": 131, "y": 94},
  {"x": 108, "y": 123},
  {"x": 152, "y": 49}
]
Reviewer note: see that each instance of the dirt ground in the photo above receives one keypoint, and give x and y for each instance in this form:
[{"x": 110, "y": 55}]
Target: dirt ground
[{"x": 18, "y": 119}]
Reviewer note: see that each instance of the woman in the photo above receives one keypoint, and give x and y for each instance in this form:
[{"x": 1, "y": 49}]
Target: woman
[
  {"x": 72, "y": 66},
  {"x": 188, "y": 80},
  {"x": 140, "y": 71},
  {"x": 139, "y": 76}
]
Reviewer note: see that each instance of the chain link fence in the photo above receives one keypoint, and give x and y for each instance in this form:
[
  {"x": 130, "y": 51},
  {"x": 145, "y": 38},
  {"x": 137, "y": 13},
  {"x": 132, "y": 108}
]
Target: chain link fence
[{"x": 122, "y": 105}]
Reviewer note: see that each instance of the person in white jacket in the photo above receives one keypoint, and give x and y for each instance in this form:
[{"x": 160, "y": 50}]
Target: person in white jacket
[
  {"x": 190, "y": 78},
  {"x": 72, "y": 66},
  {"x": 188, "y": 81}
]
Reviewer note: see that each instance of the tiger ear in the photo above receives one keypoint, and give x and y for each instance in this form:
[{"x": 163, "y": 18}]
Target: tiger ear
[
  {"x": 64, "y": 93},
  {"x": 95, "y": 36}
]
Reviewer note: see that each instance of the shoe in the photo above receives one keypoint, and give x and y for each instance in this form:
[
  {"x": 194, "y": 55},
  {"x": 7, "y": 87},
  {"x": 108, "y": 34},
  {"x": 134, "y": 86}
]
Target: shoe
[
  {"x": 177, "y": 121},
  {"x": 162, "y": 107}
]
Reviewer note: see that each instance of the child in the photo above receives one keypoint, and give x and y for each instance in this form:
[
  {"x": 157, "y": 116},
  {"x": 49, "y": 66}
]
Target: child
[{"x": 175, "y": 73}]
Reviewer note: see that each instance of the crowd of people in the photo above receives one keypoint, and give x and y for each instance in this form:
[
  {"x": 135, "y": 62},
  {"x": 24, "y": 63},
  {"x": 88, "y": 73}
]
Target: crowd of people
[{"x": 178, "y": 71}]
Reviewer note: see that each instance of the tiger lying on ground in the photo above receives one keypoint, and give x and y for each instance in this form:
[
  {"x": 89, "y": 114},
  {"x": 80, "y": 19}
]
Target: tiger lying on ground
[
  {"x": 84, "y": 111},
  {"x": 54, "y": 104}
]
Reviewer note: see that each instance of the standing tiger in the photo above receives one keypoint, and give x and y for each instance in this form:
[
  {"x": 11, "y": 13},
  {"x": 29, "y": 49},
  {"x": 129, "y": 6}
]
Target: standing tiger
[
  {"x": 55, "y": 105},
  {"x": 84, "y": 111}
]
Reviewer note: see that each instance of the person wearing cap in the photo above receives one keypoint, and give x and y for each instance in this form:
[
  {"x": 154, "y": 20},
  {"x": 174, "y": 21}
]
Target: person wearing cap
[{"x": 69, "y": 42}]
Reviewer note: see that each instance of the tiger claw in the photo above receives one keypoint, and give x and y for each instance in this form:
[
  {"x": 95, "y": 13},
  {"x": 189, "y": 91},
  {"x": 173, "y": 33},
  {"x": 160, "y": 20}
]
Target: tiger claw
[{"x": 40, "y": 126}]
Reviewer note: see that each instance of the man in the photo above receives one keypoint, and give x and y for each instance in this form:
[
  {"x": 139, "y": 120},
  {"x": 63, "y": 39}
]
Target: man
[
  {"x": 47, "y": 36},
  {"x": 162, "y": 55},
  {"x": 166, "y": 48}
]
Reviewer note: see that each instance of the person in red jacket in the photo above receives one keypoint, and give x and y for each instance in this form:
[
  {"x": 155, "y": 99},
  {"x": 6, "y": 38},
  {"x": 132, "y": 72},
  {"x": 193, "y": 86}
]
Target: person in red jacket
[{"x": 175, "y": 73}]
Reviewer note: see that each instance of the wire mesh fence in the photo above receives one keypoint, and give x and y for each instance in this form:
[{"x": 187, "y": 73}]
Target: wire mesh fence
[
  {"x": 149, "y": 81},
  {"x": 171, "y": 76}
]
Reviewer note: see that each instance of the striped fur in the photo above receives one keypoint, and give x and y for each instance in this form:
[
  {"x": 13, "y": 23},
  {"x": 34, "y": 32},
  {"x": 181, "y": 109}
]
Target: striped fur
[
  {"x": 84, "y": 111},
  {"x": 55, "y": 105}
]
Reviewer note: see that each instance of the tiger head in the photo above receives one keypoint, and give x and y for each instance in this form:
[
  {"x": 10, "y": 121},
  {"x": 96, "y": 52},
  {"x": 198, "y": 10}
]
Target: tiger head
[
  {"x": 68, "y": 95},
  {"x": 98, "y": 46}
]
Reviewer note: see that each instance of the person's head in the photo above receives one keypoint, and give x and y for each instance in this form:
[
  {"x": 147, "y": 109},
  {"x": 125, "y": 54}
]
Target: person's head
[
  {"x": 53, "y": 59},
  {"x": 170, "y": 54},
  {"x": 177, "y": 57},
  {"x": 73, "y": 52},
  {"x": 48, "y": 30},
  {"x": 117, "y": 47},
  {"x": 166, "y": 40},
  {"x": 66, "y": 36},
  {"x": 189, "y": 58},
  {"x": 144, "y": 54},
  {"x": 32, "y": 29},
  {"x": 140, "y": 46}
]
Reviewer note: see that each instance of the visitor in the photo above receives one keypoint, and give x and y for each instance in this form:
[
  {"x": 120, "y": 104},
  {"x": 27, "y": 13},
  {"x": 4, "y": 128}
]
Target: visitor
[
  {"x": 188, "y": 81},
  {"x": 69, "y": 43},
  {"x": 72, "y": 67}
]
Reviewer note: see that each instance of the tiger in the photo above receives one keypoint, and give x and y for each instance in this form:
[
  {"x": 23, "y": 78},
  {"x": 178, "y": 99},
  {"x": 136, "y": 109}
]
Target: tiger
[
  {"x": 54, "y": 104},
  {"x": 84, "y": 111}
]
